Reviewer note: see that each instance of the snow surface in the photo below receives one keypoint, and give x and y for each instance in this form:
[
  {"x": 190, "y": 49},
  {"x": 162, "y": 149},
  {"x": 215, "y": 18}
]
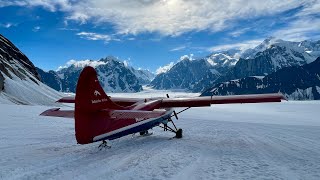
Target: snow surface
[{"x": 240, "y": 141}]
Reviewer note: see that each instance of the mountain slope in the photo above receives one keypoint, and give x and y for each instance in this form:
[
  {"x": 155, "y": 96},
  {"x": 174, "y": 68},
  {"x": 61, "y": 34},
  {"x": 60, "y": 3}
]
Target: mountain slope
[
  {"x": 297, "y": 82},
  {"x": 19, "y": 80},
  {"x": 144, "y": 76},
  {"x": 194, "y": 74},
  {"x": 50, "y": 78}
]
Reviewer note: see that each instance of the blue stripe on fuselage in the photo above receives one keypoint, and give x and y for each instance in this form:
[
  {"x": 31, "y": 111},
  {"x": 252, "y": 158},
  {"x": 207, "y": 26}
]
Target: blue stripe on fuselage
[{"x": 143, "y": 127}]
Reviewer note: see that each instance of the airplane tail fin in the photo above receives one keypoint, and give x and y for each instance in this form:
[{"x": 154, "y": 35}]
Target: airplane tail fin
[
  {"x": 89, "y": 101},
  {"x": 89, "y": 94}
]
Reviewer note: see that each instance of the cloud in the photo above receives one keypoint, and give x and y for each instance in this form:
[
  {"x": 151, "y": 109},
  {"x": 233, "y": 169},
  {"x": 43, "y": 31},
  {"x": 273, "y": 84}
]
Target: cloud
[
  {"x": 68, "y": 29},
  {"x": 8, "y": 25},
  {"x": 186, "y": 57},
  {"x": 240, "y": 46},
  {"x": 131, "y": 39},
  {"x": 305, "y": 26},
  {"x": 301, "y": 29},
  {"x": 175, "y": 17},
  {"x": 36, "y": 28},
  {"x": 167, "y": 17},
  {"x": 95, "y": 36},
  {"x": 179, "y": 48},
  {"x": 50, "y": 5},
  {"x": 83, "y": 63},
  {"x": 237, "y": 33},
  {"x": 127, "y": 62},
  {"x": 163, "y": 69}
]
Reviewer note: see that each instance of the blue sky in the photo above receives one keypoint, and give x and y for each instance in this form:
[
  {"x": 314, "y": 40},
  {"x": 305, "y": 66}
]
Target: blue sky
[{"x": 149, "y": 33}]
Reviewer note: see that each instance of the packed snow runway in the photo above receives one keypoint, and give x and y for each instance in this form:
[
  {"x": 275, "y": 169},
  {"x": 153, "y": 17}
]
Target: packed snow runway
[{"x": 241, "y": 141}]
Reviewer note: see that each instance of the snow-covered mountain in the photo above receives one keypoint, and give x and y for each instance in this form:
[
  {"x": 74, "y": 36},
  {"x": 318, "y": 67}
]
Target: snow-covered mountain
[
  {"x": 250, "y": 53},
  {"x": 221, "y": 64},
  {"x": 311, "y": 47},
  {"x": 191, "y": 73},
  {"x": 270, "y": 56},
  {"x": 114, "y": 76},
  {"x": 296, "y": 82},
  {"x": 19, "y": 80}
]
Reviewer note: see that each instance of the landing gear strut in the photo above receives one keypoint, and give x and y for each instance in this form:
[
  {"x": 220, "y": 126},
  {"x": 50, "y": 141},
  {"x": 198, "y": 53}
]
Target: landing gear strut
[{"x": 178, "y": 132}]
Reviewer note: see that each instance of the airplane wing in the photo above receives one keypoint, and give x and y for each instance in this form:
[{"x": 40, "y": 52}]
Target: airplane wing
[
  {"x": 196, "y": 101},
  {"x": 233, "y": 99}
]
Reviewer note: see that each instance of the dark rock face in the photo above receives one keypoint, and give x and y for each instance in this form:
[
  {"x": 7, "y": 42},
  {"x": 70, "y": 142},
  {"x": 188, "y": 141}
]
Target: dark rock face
[
  {"x": 1, "y": 82},
  {"x": 51, "y": 78},
  {"x": 116, "y": 77},
  {"x": 144, "y": 76},
  {"x": 296, "y": 82},
  {"x": 13, "y": 61},
  {"x": 207, "y": 80},
  {"x": 182, "y": 75}
]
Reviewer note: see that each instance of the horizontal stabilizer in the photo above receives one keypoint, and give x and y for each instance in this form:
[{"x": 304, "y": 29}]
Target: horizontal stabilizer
[
  {"x": 56, "y": 112},
  {"x": 69, "y": 99}
]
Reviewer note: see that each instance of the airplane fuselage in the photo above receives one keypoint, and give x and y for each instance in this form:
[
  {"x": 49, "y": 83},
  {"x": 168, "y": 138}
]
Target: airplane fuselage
[{"x": 138, "y": 126}]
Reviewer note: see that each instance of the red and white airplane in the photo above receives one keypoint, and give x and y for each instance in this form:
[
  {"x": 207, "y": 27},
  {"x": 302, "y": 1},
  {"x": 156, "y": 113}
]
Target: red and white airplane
[{"x": 99, "y": 117}]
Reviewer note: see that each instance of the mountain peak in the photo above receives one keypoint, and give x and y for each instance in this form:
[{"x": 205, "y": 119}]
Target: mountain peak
[{"x": 110, "y": 59}]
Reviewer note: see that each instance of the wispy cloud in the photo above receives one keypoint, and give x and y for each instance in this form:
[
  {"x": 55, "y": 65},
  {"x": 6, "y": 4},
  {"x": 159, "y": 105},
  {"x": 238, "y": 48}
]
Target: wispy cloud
[
  {"x": 175, "y": 17},
  {"x": 50, "y": 5},
  {"x": 240, "y": 46},
  {"x": 179, "y": 48},
  {"x": 131, "y": 39},
  {"x": 81, "y": 63},
  {"x": 298, "y": 30},
  {"x": 167, "y": 17},
  {"x": 7, "y": 25},
  {"x": 239, "y": 32},
  {"x": 306, "y": 24},
  {"x": 95, "y": 36},
  {"x": 68, "y": 29},
  {"x": 36, "y": 28}
]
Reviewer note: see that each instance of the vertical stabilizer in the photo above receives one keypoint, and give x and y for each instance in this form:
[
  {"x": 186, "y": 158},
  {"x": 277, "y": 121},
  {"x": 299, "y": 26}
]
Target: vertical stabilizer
[{"x": 90, "y": 100}]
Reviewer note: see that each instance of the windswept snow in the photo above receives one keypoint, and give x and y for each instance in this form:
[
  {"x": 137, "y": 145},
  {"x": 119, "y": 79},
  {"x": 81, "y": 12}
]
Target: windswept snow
[{"x": 240, "y": 141}]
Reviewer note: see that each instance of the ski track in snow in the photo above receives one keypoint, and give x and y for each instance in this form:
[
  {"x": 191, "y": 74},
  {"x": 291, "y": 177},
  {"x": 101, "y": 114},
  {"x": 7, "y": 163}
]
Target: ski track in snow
[{"x": 242, "y": 141}]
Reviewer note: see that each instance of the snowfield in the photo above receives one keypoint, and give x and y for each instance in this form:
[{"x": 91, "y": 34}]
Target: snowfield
[{"x": 240, "y": 141}]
